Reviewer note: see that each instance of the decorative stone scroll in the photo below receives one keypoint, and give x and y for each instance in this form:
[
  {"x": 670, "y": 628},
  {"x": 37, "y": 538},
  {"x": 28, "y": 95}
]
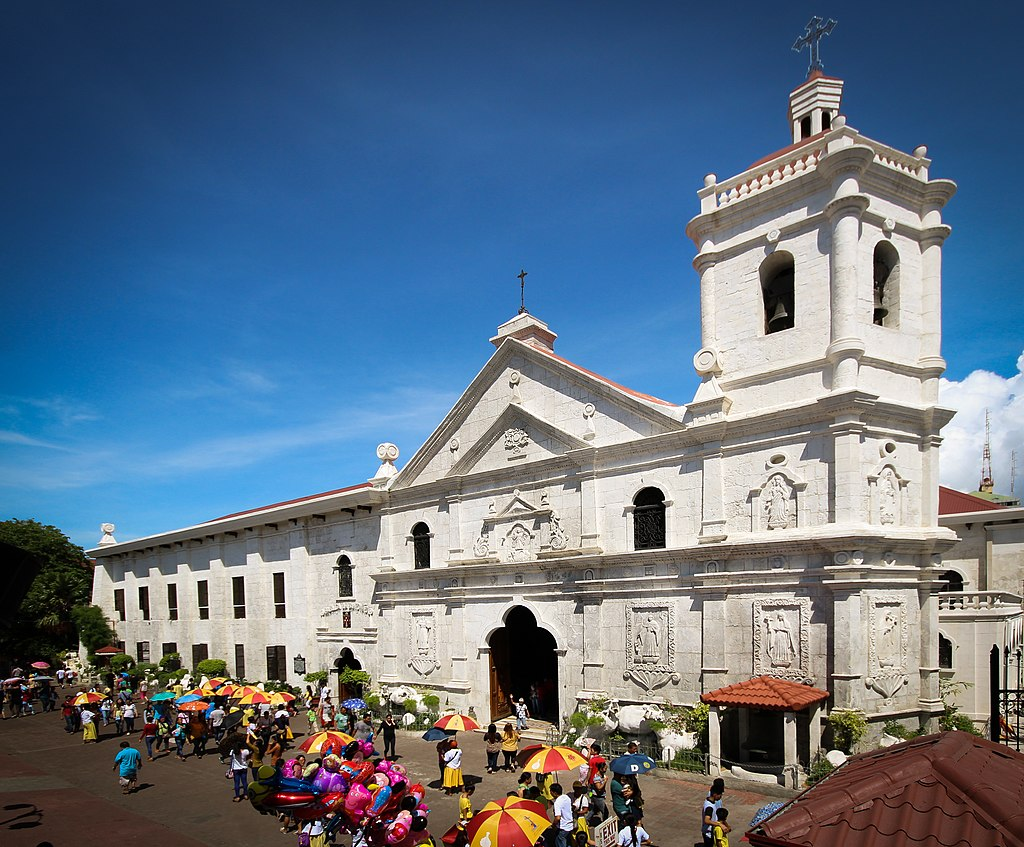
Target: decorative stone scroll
[
  {"x": 888, "y": 642},
  {"x": 775, "y": 503},
  {"x": 781, "y": 633},
  {"x": 651, "y": 645},
  {"x": 423, "y": 642}
]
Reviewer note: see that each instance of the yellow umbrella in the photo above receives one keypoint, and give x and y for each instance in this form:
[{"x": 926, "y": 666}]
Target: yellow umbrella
[
  {"x": 459, "y": 723},
  {"x": 511, "y": 822},
  {"x": 87, "y": 697},
  {"x": 281, "y": 697},
  {"x": 551, "y": 759},
  {"x": 255, "y": 698}
]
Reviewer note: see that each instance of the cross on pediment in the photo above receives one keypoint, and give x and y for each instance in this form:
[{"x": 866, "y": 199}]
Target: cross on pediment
[{"x": 816, "y": 30}]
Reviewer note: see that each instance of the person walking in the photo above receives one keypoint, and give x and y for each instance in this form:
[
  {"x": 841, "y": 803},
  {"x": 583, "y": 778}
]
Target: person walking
[
  {"x": 598, "y": 791},
  {"x": 492, "y": 747},
  {"x": 129, "y": 714},
  {"x": 128, "y": 763},
  {"x": 239, "y": 767},
  {"x": 509, "y": 746},
  {"x": 563, "y": 823},
  {"x": 452, "y": 780},
  {"x": 522, "y": 714},
  {"x": 67, "y": 711},
  {"x": 88, "y": 720},
  {"x": 389, "y": 732},
  {"x": 148, "y": 737},
  {"x": 217, "y": 715}
]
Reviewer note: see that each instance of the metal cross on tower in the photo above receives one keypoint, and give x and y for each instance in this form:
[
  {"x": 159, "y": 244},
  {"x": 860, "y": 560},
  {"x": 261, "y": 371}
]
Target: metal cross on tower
[
  {"x": 522, "y": 290},
  {"x": 815, "y": 30}
]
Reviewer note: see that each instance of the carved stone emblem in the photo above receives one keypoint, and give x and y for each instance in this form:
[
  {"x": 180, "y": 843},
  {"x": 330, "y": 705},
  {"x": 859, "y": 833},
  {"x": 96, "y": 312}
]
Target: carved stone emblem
[
  {"x": 423, "y": 643},
  {"x": 519, "y": 542},
  {"x": 516, "y": 440},
  {"x": 781, "y": 638},
  {"x": 650, "y": 646},
  {"x": 888, "y": 640}
]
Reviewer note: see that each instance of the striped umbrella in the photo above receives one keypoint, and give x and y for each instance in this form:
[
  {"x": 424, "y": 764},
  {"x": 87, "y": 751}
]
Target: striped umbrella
[
  {"x": 459, "y": 723},
  {"x": 281, "y": 697},
  {"x": 315, "y": 743},
  {"x": 228, "y": 689},
  {"x": 217, "y": 682},
  {"x": 199, "y": 692},
  {"x": 242, "y": 690},
  {"x": 194, "y": 706},
  {"x": 87, "y": 697},
  {"x": 551, "y": 759},
  {"x": 510, "y": 822},
  {"x": 254, "y": 699}
]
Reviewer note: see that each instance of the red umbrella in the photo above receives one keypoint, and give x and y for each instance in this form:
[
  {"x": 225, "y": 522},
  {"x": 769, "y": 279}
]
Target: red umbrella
[
  {"x": 315, "y": 743},
  {"x": 510, "y": 822},
  {"x": 551, "y": 759},
  {"x": 194, "y": 706}
]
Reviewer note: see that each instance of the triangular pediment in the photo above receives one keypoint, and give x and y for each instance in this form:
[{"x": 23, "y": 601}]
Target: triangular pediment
[{"x": 528, "y": 405}]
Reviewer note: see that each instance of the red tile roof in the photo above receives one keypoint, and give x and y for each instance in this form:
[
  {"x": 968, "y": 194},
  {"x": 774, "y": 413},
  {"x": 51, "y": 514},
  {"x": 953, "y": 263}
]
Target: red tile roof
[
  {"x": 766, "y": 692},
  {"x": 649, "y": 398},
  {"x": 947, "y": 790},
  {"x": 952, "y": 502},
  {"x": 292, "y": 502},
  {"x": 107, "y": 651}
]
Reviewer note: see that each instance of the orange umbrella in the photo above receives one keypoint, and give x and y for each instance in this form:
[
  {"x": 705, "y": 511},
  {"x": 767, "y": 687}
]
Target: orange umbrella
[
  {"x": 254, "y": 699},
  {"x": 551, "y": 759},
  {"x": 510, "y": 822},
  {"x": 194, "y": 706},
  {"x": 87, "y": 697},
  {"x": 315, "y": 743},
  {"x": 457, "y": 722}
]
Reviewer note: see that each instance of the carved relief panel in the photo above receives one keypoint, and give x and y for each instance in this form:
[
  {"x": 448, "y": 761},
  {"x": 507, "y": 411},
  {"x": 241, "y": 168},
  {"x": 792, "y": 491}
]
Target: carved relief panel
[
  {"x": 888, "y": 642},
  {"x": 781, "y": 634},
  {"x": 775, "y": 503},
  {"x": 521, "y": 531},
  {"x": 650, "y": 645},
  {"x": 423, "y": 642},
  {"x": 886, "y": 488}
]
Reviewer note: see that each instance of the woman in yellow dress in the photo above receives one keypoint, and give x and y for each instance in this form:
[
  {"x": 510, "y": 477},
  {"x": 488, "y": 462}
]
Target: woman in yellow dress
[
  {"x": 88, "y": 726},
  {"x": 452, "y": 768}
]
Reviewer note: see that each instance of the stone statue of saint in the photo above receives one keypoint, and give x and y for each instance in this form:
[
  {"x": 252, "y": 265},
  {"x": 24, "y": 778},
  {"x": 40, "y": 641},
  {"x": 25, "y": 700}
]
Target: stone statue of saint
[
  {"x": 647, "y": 644},
  {"x": 887, "y": 498},
  {"x": 423, "y": 636},
  {"x": 776, "y": 503},
  {"x": 519, "y": 542},
  {"x": 889, "y": 642},
  {"x": 781, "y": 649}
]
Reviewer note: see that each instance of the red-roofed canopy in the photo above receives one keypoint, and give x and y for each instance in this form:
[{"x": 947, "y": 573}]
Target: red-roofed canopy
[
  {"x": 107, "y": 651},
  {"x": 766, "y": 692}
]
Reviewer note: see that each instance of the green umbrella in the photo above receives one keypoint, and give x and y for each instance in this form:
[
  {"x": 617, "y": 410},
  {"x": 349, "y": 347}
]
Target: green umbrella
[{"x": 163, "y": 695}]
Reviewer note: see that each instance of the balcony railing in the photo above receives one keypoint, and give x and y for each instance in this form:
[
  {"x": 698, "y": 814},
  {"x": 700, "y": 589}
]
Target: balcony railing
[{"x": 954, "y": 601}]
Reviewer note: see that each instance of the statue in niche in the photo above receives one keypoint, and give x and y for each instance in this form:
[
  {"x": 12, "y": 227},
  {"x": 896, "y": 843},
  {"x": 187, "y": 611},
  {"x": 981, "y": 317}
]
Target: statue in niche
[
  {"x": 776, "y": 503},
  {"x": 423, "y": 636},
  {"x": 887, "y": 503},
  {"x": 781, "y": 649},
  {"x": 647, "y": 645},
  {"x": 889, "y": 641},
  {"x": 519, "y": 543},
  {"x": 558, "y": 537}
]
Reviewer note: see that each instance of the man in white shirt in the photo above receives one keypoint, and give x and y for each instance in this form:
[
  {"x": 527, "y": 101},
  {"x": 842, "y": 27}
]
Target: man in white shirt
[
  {"x": 325, "y": 692},
  {"x": 562, "y": 810},
  {"x": 217, "y": 722}
]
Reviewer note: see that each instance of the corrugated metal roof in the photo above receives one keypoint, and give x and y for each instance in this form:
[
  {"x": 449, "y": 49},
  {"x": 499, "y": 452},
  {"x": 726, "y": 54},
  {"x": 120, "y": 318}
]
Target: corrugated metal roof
[
  {"x": 947, "y": 790},
  {"x": 953, "y": 502},
  {"x": 766, "y": 692}
]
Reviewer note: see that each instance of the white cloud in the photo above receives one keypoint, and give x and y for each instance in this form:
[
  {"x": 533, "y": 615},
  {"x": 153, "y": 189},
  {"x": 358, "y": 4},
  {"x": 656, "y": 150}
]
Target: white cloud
[
  {"x": 10, "y": 437},
  {"x": 964, "y": 437}
]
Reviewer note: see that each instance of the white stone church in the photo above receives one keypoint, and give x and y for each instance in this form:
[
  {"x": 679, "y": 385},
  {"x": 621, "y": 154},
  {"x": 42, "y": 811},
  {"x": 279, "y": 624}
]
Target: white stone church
[{"x": 558, "y": 530}]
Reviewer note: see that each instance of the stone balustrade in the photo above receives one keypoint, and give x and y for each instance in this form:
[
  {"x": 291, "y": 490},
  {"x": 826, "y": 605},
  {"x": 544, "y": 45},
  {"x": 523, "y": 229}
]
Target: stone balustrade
[{"x": 951, "y": 601}]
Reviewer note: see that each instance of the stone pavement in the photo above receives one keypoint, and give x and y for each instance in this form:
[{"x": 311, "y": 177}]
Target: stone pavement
[{"x": 56, "y": 790}]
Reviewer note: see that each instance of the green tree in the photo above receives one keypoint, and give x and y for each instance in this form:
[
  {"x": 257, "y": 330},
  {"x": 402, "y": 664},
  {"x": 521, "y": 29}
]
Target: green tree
[
  {"x": 42, "y": 625},
  {"x": 93, "y": 630}
]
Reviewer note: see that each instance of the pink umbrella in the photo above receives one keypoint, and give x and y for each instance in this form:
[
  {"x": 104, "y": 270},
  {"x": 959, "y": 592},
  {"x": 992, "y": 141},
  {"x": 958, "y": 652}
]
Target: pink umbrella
[{"x": 41, "y": 665}]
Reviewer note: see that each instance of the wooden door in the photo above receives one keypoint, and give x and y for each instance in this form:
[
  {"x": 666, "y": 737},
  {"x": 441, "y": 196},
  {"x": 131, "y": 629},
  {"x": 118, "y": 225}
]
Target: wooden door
[{"x": 501, "y": 678}]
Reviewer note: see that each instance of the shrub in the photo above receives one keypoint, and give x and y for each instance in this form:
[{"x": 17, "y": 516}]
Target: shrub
[
  {"x": 409, "y": 705},
  {"x": 373, "y": 701},
  {"x": 121, "y": 662},
  {"x": 821, "y": 768},
  {"x": 352, "y": 677},
  {"x": 212, "y": 667},
  {"x": 432, "y": 702},
  {"x": 144, "y": 670},
  {"x": 319, "y": 677},
  {"x": 848, "y": 727},
  {"x": 170, "y": 662},
  {"x": 581, "y": 721}
]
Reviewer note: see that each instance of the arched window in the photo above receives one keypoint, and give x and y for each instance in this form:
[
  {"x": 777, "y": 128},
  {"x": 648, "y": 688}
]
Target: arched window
[
  {"x": 953, "y": 580},
  {"x": 777, "y": 292},
  {"x": 805, "y": 127},
  {"x": 945, "y": 653},
  {"x": 421, "y": 546},
  {"x": 344, "y": 569},
  {"x": 886, "y": 282},
  {"x": 649, "y": 519}
]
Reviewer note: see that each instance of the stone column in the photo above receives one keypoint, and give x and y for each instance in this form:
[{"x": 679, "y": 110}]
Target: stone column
[
  {"x": 814, "y": 730},
  {"x": 713, "y": 639},
  {"x": 850, "y": 480},
  {"x": 789, "y": 734},
  {"x": 712, "y": 526},
  {"x": 454, "y": 502},
  {"x": 928, "y": 661},
  {"x": 937, "y": 194},
  {"x": 850, "y": 653},
  {"x": 704, "y": 264},
  {"x": 593, "y": 664},
  {"x": 590, "y": 527},
  {"x": 714, "y": 742}
]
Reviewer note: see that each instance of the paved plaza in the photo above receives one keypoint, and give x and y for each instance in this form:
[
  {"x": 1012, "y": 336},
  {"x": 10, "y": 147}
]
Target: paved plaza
[{"x": 54, "y": 789}]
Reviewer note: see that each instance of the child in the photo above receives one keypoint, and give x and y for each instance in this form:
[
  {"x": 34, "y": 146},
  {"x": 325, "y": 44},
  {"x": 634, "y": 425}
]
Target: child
[
  {"x": 720, "y": 828},
  {"x": 466, "y": 804}
]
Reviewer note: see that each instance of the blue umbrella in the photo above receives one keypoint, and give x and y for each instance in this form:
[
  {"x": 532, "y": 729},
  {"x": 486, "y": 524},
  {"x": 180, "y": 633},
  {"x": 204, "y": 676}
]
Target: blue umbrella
[
  {"x": 435, "y": 734},
  {"x": 353, "y": 703},
  {"x": 765, "y": 812},
  {"x": 188, "y": 698},
  {"x": 632, "y": 763}
]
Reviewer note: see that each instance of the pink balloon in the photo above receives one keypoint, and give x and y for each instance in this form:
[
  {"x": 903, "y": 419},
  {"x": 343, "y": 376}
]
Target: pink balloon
[
  {"x": 366, "y": 748},
  {"x": 399, "y": 828},
  {"x": 384, "y": 765},
  {"x": 397, "y": 768},
  {"x": 357, "y": 799}
]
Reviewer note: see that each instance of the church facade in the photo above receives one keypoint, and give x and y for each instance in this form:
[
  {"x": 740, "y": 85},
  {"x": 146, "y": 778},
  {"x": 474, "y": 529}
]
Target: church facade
[{"x": 560, "y": 532}]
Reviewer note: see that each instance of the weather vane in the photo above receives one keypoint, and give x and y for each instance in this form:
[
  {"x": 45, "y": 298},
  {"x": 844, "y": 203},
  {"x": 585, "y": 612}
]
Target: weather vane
[
  {"x": 816, "y": 28},
  {"x": 522, "y": 291}
]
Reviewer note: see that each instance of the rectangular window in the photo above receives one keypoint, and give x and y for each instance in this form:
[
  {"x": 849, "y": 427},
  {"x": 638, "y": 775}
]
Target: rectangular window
[
  {"x": 238, "y": 595},
  {"x": 239, "y": 661},
  {"x": 279, "y": 609},
  {"x": 121, "y": 646},
  {"x": 169, "y": 647},
  {"x": 200, "y": 653},
  {"x": 144, "y": 602},
  {"x": 276, "y": 662},
  {"x": 142, "y": 650},
  {"x": 119, "y": 603},
  {"x": 172, "y": 602},
  {"x": 203, "y": 596}
]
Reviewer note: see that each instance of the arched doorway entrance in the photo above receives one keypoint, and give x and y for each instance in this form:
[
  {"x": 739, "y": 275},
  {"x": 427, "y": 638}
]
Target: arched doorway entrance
[
  {"x": 347, "y": 661},
  {"x": 523, "y": 664}
]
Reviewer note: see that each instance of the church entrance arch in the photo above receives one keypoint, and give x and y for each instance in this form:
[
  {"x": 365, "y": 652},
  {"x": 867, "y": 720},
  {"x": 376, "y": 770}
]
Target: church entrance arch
[
  {"x": 346, "y": 661},
  {"x": 523, "y": 664}
]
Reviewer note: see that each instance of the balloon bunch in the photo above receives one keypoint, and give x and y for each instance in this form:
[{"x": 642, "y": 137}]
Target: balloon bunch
[{"x": 351, "y": 793}]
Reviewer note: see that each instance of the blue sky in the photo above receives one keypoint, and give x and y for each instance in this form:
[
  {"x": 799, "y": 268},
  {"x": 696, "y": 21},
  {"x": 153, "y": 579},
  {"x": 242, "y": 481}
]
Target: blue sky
[{"x": 243, "y": 243}]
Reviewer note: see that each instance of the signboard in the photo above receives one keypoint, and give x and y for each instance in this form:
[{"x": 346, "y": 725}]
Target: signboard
[{"x": 607, "y": 834}]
